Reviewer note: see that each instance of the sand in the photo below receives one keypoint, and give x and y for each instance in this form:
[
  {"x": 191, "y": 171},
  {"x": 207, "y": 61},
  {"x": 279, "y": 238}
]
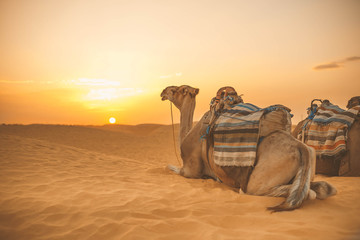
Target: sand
[{"x": 110, "y": 182}]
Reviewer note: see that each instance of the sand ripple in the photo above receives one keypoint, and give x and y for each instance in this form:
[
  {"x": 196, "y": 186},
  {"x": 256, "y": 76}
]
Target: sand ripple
[{"x": 77, "y": 183}]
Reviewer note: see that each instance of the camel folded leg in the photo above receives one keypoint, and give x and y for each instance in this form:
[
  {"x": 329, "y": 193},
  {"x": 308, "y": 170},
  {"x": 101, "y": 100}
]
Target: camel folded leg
[
  {"x": 174, "y": 169},
  {"x": 181, "y": 172},
  {"x": 185, "y": 172}
]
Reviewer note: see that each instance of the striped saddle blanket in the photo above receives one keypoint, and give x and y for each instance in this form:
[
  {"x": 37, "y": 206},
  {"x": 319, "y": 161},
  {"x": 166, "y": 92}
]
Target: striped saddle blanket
[
  {"x": 236, "y": 134},
  {"x": 327, "y": 132}
]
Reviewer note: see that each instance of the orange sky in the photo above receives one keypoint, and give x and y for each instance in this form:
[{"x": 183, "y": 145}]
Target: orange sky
[{"x": 82, "y": 62}]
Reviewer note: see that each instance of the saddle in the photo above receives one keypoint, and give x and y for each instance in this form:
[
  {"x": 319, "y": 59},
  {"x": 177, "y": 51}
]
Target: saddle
[
  {"x": 236, "y": 128},
  {"x": 326, "y": 131}
]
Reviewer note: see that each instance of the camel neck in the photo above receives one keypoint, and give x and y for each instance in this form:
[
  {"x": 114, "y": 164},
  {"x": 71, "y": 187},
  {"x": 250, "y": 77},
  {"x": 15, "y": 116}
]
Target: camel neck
[{"x": 186, "y": 116}]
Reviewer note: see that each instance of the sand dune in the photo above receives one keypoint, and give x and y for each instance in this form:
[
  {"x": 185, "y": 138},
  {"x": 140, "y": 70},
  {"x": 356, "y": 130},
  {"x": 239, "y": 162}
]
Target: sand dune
[{"x": 110, "y": 182}]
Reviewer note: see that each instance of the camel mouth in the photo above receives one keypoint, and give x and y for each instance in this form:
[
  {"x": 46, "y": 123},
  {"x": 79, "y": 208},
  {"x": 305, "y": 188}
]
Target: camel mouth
[{"x": 163, "y": 98}]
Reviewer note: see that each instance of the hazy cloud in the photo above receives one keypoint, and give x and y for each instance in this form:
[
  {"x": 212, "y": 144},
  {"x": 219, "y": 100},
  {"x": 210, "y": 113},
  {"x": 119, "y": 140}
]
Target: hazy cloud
[
  {"x": 112, "y": 93},
  {"x": 166, "y": 76},
  {"x": 25, "y": 82},
  {"x": 15, "y": 82},
  {"x": 336, "y": 64},
  {"x": 327, "y": 66},
  {"x": 178, "y": 74},
  {"x": 94, "y": 82},
  {"x": 351, "y": 59}
]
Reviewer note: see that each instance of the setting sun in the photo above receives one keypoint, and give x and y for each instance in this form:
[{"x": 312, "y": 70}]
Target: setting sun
[{"x": 112, "y": 120}]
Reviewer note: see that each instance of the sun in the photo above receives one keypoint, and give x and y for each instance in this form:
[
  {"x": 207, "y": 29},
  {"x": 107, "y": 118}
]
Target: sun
[{"x": 112, "y": 120}]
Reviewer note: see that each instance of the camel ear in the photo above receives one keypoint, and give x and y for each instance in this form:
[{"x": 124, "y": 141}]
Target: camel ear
[
  {"x": 173, "y": 91},
  {"x": 184, "y": 91},
  {"x": 196, "y": 91}
]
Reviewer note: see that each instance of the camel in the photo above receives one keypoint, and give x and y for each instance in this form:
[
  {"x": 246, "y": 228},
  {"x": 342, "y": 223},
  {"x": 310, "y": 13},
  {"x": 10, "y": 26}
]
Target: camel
[
  {"x": 352, "y": 155},
  {"x": 285, "y": 167}
]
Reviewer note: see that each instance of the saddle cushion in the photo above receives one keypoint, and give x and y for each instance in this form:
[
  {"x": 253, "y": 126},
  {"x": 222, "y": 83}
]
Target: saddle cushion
[
  {"x": 327, "y": 132},
  {"x": 236, "y": 133}
]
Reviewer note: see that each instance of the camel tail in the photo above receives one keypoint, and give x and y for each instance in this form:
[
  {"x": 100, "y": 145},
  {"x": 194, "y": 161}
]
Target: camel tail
[{"x": 300, "y": 187}]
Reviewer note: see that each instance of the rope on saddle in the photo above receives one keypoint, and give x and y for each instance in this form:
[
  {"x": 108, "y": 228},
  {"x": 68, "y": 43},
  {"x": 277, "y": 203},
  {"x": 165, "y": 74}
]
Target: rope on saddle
[{"x": 173, "y": 131}]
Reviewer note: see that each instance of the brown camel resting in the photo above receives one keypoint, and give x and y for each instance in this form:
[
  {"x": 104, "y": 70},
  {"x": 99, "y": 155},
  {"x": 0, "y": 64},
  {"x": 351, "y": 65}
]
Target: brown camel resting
[
  {"x": 348, "y": 164},
  {"x": 285, "y": 166}
]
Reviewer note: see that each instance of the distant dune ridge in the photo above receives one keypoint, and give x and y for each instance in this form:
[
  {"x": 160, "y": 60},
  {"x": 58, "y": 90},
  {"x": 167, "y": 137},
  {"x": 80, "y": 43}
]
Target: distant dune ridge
[{"x": 110, "y": 182}]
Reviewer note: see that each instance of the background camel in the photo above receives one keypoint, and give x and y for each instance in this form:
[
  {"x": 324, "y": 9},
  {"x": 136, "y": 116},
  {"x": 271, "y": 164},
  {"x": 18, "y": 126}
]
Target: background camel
[
  {"x": 352, "y": 156},
  {"x": 284, "y": 167}
]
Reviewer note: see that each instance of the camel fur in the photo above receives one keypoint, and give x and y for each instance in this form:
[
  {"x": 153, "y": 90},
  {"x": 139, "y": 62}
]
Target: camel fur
[{"x": 285, "y": 167}]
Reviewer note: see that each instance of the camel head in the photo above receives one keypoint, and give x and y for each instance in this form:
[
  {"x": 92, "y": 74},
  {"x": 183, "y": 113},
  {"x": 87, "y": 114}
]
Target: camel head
[
  {"x": 177, "y": 95},
  {"x": 354, "y": 101}
]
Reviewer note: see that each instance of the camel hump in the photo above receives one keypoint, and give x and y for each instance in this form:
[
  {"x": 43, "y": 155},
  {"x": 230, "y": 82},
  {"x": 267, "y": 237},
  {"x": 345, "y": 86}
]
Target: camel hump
[
  {"x": 354, "y": 101},
  {"x": 226, "y": 95},
  {"x": 225, "y": 91},
  {"x": 278, "y": 119}
]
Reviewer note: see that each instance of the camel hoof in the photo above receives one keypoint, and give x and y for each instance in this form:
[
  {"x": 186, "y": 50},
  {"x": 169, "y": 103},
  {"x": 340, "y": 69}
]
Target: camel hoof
[
  {"x": 312, "y": 195},
  {"x": 174, "y": 169}
]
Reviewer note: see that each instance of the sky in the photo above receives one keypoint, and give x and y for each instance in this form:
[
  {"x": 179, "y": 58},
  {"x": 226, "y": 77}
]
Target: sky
[{"x": 82, "y": 62}]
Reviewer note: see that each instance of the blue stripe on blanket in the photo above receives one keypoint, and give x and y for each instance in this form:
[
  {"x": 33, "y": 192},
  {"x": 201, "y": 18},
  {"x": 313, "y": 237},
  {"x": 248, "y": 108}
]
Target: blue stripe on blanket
[
  {"x": 331, "y": 120},
  {"x": 242, "y": 123},
  {"x": 248, "y": 106}
]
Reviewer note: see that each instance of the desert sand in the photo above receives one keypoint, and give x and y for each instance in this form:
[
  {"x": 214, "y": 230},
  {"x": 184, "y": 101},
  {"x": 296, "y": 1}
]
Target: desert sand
[{"x": 111, "y": 182}]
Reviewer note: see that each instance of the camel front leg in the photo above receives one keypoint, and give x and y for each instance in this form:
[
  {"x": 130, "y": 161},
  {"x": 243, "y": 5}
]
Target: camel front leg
[
  {"x": 175, "y": 169},
  {"x": 185, "y": 172}
]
